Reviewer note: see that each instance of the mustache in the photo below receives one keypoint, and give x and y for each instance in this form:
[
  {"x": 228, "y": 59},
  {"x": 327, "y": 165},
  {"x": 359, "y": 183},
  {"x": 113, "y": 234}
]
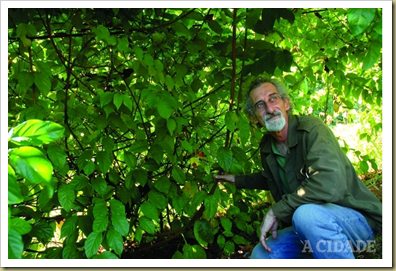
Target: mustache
[{"x": 268, "y": 116}]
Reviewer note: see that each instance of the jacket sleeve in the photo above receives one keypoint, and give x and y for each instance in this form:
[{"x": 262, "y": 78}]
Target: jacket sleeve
[
  {"x": 325, "y": 164},
  {"x": 251, "y": 181}
]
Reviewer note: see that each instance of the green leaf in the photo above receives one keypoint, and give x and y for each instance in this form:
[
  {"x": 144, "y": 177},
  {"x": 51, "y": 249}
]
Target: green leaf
[
  {"x": 66, "y": 196},
  {"x": 25, "y": 80},
  {"x": 105, "y": 255},
  {"x": 139, "y": 52},
  {"x": 229, "y": 247},
  {"x": 149, "y": 60},
  {"x": 283, "y": 60},
  {"x": 79, "y": 182},
  {"x": 105, "y": 98},
  {"x": 140, "y": 176},
  {"x": 224, "y": 157},
  {"x": 372, "y": 55},
  {"x": 149, "y": 210},
  {"x": 215, "y": 26},
  {"x": 164, "y": 109},
  {"x": 43, "y": 82},
  {"x": 103, "y": 160},
  {"x": 118, "y": 217},
  {"x": 127, "y": 101},
  {"x": 147, "y": 225},
  {"x": 114, "y": 239},
  {"x": 100, "y": 223},
  {"x": 42, "y": 231},
  {"x": 162, "y": 184},
  {"x": 31, "y": 164},
  {"x": 193, "y": 252},
  {"x": 363, "y": 165},
  {"x": 179, "y": 175},
  {"x": 169, "y": 82},
  {"x": 36, "y": 132},
  {"x": 221, "y": 240},
  {"x": 157, "y": 199},
  {"x": 187, "y": 146},
  {"x": 100, "y": 208},
  {"x": 99, "y": 185},
  {"x": 226, "y": 223},
  {"x": 69, "y": 251},
  {"x": 14, "y": 190},
  {"x": 89, "y": 168},
  {"x": 15, "y": 244},
  {"x": 92, "y": 244},
  {"x": 69, "y": 226},
  {"x": 130, "y": 160},
  {"x": 211, "y": 204},
  {"x": 239, "y": 240},
  {"x": 230, "y": 120},
  {"x": 171, "y": 124},
  {"x": 101, "y": 32},
  {"x": 117, "y": 100},
  {"x": 57, "y": 156},
  {"x": 20, "y": 225},
  {"x": 203, "y": 232},
  {"x": 359, "y": 19}
]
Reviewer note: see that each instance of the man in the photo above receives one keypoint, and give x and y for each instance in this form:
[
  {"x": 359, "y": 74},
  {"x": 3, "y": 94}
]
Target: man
[{"x": 312, "y": 181}]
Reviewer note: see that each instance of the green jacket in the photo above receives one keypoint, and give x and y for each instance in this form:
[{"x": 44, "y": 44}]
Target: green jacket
[{"x": 314, "y": 152}]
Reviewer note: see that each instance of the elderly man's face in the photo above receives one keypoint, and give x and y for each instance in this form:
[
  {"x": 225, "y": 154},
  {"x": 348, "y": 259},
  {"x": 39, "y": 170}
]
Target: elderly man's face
[{"x": 270, "y": 109}]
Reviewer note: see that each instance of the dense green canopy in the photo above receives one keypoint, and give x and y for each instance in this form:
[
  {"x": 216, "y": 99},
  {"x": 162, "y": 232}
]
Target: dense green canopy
[{"x": 121, "y": 117}]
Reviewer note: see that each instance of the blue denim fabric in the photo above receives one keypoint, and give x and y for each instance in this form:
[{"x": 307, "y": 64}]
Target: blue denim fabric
[{"x": 324, "y": 231}]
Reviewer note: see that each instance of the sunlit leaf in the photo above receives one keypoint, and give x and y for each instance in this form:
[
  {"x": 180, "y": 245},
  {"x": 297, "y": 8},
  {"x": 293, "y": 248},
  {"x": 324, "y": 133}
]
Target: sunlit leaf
[{"x": 92, "y": 244}]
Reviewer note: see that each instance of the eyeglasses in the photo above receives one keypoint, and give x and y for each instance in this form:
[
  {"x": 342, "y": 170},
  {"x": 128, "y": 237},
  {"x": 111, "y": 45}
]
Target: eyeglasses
[{"x": 273, "y": 100}]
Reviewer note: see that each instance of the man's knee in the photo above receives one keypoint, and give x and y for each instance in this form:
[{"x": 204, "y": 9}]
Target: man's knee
[{"x": 305, "y": 215}]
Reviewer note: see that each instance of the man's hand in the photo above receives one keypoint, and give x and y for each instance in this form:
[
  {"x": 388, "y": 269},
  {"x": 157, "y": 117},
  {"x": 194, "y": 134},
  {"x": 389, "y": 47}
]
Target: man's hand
[
  {"x": 226, "y": 178},
  {"x": 270, "y": 223}
]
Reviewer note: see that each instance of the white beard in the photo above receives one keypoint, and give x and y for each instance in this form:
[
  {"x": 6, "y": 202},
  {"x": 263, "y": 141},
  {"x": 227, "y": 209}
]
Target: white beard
[{"x": 274, "y": 125}]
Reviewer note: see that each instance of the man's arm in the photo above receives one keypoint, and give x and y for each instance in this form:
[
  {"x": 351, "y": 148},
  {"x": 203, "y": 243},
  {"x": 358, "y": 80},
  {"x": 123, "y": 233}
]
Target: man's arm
[{"x": 249, "y": 181}]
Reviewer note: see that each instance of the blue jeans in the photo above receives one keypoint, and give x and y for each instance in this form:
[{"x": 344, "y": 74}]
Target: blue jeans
[{"x": 320, "y": 231}]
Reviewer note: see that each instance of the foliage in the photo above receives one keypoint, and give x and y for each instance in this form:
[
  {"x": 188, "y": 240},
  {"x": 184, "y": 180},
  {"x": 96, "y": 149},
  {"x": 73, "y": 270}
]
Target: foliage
[{"x": 132, "y": 112}]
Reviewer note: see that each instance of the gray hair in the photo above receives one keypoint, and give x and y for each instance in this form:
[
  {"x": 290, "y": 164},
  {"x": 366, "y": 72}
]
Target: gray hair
[{"x": 279, "y": 85}]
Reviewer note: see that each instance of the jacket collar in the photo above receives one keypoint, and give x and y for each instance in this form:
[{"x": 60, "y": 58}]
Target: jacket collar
[{"x": 265, "y": 144}]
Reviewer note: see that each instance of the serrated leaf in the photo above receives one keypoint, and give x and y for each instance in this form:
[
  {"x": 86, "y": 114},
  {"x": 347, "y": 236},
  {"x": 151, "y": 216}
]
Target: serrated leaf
[
  {"x": 14, "y": 190},
  {"x": 101, "y": 32},
  {"x": 25, "y": 80},
  {"x": 69, "y": 226},
  {"x": 118, "y": 217},
  {"x": 66, "y": 196},
  {"x": 283, "y": 60},
  {"x": 169, "y": 82},
  {"x": 226, "y": 223},
  {"x": 193, "y": 252},
  {"x": 224, "y": 158},
  {"x": 127, "y": 101},
  {"x": 229, "y": 247},
  {"x": 164, "y": 109},
  {"x": 147, "y": 225},
  {"x": 43, "y": 82},
  {"x": 117, "y": 100},
  {"x": 31, "y": 164},
  {"x": 211, "y": 204},
  {"x": 57, "y": 156},
  {"x": 15, "y": 244},
  {"x": 140, "y": 176},
  {"x": 162, "y": 184},
  {"x": 179, "y": 175},
  {"x": 149, "y": 210},
  {"x": 20, "y": 225},
  {"x": 42, "y": 231},
  {"x": 130, "y": 160},
  {"x": 89, "y": 168},
  {"x": 100, "y": 223},
  {"x": 92, "y": 244},
  {"x": 36, "y": 132},
  {"x": 157, "y": 199},
  {"x": 103, "y": 160},
  {"x": 114, "y": 239},
  {"x": 100, "y": 208},
  {"x": 372, "y": 55},
  {"x": 106, "y": 255},
  {"x": 215, "y": 26},
  {"x": 359, "y": 19},
  {"x": 203, "y": 232},
  {"x": 69, "y": 251},
  {"x": 99, "y": 185},
  {"x": 105, "y": 98}
]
